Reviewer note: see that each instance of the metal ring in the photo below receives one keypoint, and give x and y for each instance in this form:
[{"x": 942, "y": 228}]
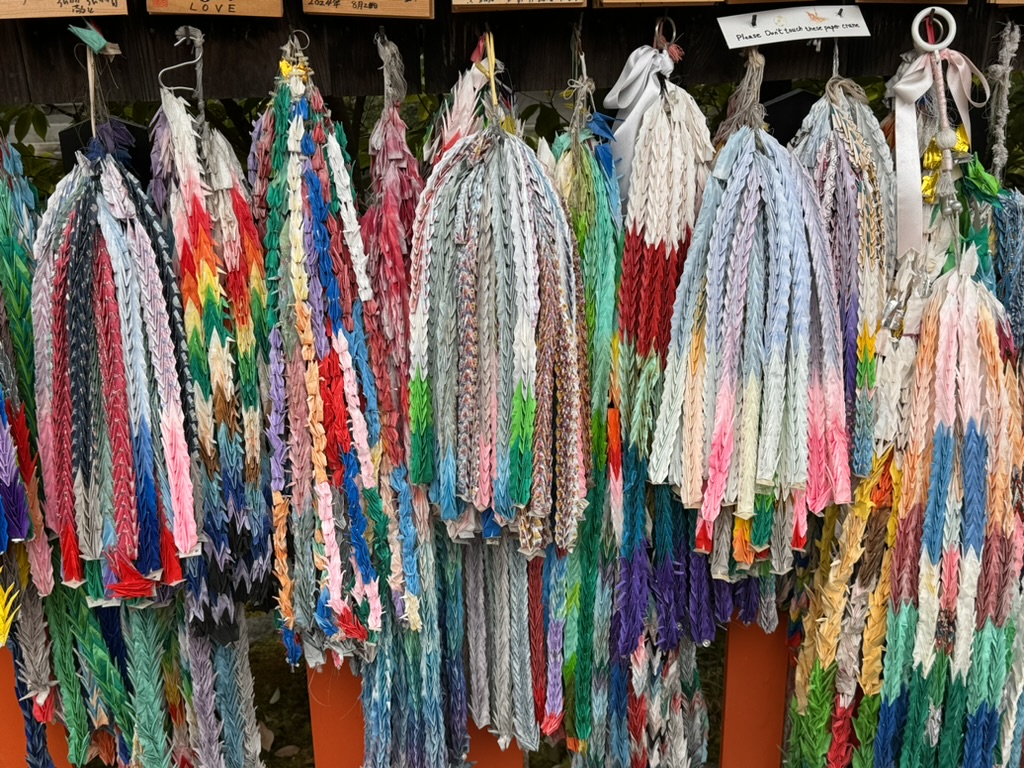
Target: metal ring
[
  {"x": 660, "y": 41},
  {"x": 305, "y": 34},
  {"x": 945, "y": 19}
]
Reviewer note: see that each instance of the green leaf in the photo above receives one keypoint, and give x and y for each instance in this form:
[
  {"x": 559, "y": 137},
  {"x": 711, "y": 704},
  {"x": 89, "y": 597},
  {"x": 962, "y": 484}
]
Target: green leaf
[
  {"x": 22, "y": 125},
  {"x": 549, "y": 122},
  {"x": 40, "y": 123}
]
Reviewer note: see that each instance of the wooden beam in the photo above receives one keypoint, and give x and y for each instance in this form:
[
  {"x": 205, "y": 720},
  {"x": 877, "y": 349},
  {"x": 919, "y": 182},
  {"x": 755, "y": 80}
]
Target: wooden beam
[{"x": 38, "y": 63}]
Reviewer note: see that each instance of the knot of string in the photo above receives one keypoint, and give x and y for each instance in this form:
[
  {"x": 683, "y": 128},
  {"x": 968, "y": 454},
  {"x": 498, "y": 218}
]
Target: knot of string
[
  {"x": 999, "y": 74},
  {"x": 745, "y": 108},
  {"x": 395, "y": 87},
  {"x": 581, "y": 90}
]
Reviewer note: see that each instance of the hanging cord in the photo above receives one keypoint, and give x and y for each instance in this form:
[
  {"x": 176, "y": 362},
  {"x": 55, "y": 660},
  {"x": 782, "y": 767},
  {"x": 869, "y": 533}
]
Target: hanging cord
[
  {"x": 945, "y": 140},
  {"x": 196, "y": 40},
  {"x": 90, "y": 67},
  {"x": 999, "y": 73},
  {"x": 839, "y": 85},
  {"x": 581, "y": 86},
  {"x": 95, "y": 44},
  {"x": 492, "y": 70},
  {"x": 395, "y": 87},
  {"x": 745, "y": 108}
]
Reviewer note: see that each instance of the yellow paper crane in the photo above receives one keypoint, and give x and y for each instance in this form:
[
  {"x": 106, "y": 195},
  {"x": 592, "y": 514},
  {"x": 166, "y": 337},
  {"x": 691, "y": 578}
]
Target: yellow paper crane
[{"x": 932, "y": 160}]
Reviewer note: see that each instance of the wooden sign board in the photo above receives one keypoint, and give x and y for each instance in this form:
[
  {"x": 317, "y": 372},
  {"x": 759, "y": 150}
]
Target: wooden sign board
[
  {"x": 914, "y": 2},
  {"x": 267, "y": 8},
  {"x": 42, "y": 9},
  {"x": 401, "y": 9},
  {"x": 504, "y": 5},
  {"x": 758, "y": 2},
  {"x": 659, "y": 3}
]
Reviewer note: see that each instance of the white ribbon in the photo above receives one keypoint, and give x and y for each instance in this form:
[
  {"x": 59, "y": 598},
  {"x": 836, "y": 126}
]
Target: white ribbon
[
  {"x": 915, "y": 83},
  {"x": 635, "y": 90}
]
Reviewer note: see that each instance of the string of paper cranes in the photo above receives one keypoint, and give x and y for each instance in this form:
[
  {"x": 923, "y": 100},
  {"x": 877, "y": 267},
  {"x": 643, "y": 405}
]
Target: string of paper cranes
[{"x": 518, "y": 430}]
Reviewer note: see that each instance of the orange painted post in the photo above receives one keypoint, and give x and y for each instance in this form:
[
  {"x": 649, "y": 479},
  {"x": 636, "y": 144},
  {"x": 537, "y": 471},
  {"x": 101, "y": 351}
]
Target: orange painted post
[
  {"x": 754, "y": 712},
  {"x": 337, "y": 720},
  {"x": 12, "y": 726},
  {"x": 336, "y": 717},
  {"x": 12, "y": 734}
]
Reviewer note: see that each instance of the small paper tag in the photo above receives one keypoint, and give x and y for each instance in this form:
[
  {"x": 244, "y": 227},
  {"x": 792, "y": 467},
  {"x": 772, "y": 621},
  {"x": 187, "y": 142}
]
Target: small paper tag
[{"x": 803, "y": 23}]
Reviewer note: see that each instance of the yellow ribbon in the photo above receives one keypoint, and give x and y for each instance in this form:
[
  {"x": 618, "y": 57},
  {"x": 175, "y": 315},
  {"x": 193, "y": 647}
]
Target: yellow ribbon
[{"x": 932, "y": 160}]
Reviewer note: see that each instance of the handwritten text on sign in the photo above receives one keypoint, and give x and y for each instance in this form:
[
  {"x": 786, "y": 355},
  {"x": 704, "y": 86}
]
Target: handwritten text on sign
[
  {"x": 415, "y": 9},
  {"x": 217, "y": 7},
  {"x": 781, "y": 24},
  {"x": 37, "y": 9},
  {"x": 473, "y": 3}
]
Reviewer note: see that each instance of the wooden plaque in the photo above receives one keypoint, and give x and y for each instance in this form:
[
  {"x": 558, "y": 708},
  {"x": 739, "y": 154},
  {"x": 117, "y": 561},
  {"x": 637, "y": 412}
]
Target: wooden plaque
[
  {"x": 504, "y": 5},
  {"x": 659, "y": 3},
  {"x": 269, "y": 8},
  {"x": 403, "y": 9},
  {"x": 41, "y": 9},
  {"x": 761, "y": 2},
  {"x": 914, "y": 2}
]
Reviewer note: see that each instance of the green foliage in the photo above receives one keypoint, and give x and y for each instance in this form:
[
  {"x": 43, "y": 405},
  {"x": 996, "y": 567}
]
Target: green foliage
[
  {"x": 712, "y": 100},
  {"x": 43, "y": 170},
  {"x": 418, "y": 113}
]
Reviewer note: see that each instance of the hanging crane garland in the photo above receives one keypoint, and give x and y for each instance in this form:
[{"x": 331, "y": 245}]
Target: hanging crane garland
[
  {"x": 97, "y": 238},
  {"x": 208, "y": 213},
  {"x": 753, "y": 399},
  {"x": 672, "y": 142},
  {"x": 841, "y": 145},
  {"x": 324, "y": 420},
  {"x": 958, "y": 515},
  {"x": 17, "y": 232},
  {"x": 583, "y": 170},
  {"x": 391, "y": 679},
  {"x": 27, "y": 569},
  {"x": 198, "y": 187},
  {"x": 511, "y": 393}
]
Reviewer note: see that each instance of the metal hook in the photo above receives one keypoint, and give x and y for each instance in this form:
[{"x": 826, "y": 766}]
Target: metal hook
[
  {"x": 181, "y": 65},
  {"x": 660, "y": 41}
]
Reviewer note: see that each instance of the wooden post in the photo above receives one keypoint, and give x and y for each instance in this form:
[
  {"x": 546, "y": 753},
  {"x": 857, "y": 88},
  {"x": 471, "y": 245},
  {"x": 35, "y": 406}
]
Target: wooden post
[
  {"x": 337, "y": 719},
  {"x": 756, "y": 675},
  {"x": 12, "y": 725},
  {"x": 754, "y": 711}
]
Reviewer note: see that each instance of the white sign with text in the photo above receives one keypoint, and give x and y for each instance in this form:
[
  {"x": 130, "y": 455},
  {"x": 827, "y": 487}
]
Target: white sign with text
[{"x": 806, "y": 22}]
